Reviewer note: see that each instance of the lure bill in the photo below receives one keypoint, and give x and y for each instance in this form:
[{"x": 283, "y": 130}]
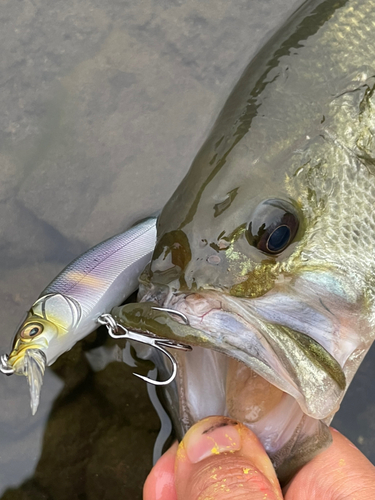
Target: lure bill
[
  {"x": 68, "y": 309},
  {"x": 34, "y": 367}
]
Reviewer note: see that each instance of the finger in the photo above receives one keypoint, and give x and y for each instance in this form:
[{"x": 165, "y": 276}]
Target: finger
[
  {"x": 159, "y": 484},
  {"x": 221, "y": 459},
  {"x": 341, "y": 472}
]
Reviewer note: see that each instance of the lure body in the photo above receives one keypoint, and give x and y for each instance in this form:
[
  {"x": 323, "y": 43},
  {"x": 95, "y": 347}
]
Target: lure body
[
  {"x": 98, "y": 280},
  {"x": 68, "y": 309}
]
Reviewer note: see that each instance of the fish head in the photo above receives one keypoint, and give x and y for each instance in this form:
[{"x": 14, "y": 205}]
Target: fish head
[
  {"x": 267, "y": 262},
  {"x": 40, "y": 338},
  {"x": 267, "y": 245}
]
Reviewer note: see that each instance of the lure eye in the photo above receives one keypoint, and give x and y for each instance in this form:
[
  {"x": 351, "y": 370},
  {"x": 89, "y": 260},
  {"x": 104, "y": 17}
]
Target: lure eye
[
  {"x": 274, "y": 225},
  {"x": 31, "y": 330}
]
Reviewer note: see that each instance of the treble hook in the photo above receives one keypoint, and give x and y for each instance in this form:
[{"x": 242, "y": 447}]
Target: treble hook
[
  {"x": 158, "y": 343},
  {"x": 4, "y": 367},
  {"x": 172, "y": 311}
]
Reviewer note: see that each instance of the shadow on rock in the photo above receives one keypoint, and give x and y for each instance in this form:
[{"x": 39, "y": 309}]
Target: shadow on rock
[{"x": 99, "y": 437}]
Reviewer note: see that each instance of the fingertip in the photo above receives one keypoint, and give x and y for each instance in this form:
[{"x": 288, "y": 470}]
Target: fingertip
[
  {"x": 159, "y": 484},
  {"x": 340, "y": 471},
  {"x": 342, "y": 441},
  {"x": 220, "y": 458}
]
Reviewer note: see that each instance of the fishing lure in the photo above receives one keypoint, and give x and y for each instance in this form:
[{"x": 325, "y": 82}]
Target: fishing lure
[{"x": 78, "y": 300}]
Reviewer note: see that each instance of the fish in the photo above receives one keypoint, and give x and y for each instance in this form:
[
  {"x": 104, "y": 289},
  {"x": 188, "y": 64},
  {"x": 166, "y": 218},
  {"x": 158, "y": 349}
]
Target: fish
[
  {"x": 69, "y": 308},
  {"x": 268, "y": 244}
]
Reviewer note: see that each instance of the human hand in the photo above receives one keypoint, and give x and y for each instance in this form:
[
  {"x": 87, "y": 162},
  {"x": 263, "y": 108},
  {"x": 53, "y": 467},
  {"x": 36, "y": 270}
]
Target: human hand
[{"x": 220, "y": 459}]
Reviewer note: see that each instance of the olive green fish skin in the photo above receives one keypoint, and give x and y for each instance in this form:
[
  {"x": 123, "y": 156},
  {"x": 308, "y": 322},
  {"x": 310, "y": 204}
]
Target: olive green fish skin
[{"x": 299, "y": 126}]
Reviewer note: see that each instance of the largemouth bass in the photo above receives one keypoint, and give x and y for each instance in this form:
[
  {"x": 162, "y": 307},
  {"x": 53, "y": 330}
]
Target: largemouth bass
[
  {"x": 68, "y": 309},
  {"x": 268, "y": 244}
]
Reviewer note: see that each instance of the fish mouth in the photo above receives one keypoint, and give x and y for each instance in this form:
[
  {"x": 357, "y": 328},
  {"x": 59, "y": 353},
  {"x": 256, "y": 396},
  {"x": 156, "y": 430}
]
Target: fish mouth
[
  {"x": 304, "y": 337},
  {"x": 287, "y": 358},
  {"x": 279, "y": 363}
]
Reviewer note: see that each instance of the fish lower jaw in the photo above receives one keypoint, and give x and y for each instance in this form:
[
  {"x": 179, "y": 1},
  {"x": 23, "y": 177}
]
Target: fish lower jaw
[{"x": 291, "y": 361}]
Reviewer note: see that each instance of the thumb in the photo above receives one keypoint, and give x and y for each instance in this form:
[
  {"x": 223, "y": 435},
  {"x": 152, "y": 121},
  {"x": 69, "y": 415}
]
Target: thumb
[{"x": 221, "y": 459}]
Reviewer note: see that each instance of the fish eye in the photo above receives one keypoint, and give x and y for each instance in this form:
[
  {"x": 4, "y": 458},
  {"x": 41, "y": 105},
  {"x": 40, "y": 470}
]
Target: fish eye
[
  {"x": 273, "y": 226},
  {"x": 31, "y": 330}
]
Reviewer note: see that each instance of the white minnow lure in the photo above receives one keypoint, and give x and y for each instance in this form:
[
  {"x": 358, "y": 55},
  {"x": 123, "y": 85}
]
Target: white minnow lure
[{"x": 69, "y": 308}]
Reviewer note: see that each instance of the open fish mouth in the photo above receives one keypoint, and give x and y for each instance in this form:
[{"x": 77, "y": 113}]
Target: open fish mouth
[
  {"x": 280, "y": 363},
  {"x": 306, "y": 344},
  {"x": 286, "y": 357}
]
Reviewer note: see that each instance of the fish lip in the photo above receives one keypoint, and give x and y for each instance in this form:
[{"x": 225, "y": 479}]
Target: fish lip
[{"x": 299, "y": 389}]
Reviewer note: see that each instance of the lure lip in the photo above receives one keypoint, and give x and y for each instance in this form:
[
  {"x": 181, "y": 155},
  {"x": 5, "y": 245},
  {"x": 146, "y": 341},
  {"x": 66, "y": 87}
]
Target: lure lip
[
  {"x": 34, "y": 368},
  {"x": 34, "y": 374}
]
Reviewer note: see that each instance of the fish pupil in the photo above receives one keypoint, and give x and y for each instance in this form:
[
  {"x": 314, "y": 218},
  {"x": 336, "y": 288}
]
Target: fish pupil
[
  {"x": 279, "y": 239},
  {"x": 34, "y": 331},
  {"x": 273, "y": 225}
]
